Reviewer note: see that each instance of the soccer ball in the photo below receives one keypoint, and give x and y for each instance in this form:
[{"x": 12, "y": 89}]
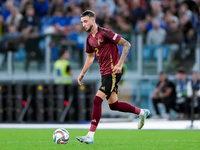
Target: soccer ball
[{"x": 61, "y": 136}]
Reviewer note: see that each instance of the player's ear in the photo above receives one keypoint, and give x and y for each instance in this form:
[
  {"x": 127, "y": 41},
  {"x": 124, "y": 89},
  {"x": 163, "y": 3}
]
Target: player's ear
[{"x": 93, "y": 20}]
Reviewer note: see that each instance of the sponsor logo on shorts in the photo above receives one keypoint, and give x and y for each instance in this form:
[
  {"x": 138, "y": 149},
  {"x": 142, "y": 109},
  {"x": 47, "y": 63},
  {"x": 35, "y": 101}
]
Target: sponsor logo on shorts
[{"x": 103, "y": 88}]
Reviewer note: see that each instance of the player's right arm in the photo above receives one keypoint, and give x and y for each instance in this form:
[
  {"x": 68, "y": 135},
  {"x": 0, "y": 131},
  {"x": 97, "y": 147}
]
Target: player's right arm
[
  {"x": 88, "y": 63},
  {"x": 126, "y": 47},
  {"x": 157, "y": 90}
]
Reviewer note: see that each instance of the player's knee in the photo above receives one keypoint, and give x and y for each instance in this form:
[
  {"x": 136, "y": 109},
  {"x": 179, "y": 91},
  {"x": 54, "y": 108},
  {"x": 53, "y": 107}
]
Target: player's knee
[
  {"x": 114, "y": 106},
  {"x": 97, "y": 101},
  {"x": 154, "y": 100}
]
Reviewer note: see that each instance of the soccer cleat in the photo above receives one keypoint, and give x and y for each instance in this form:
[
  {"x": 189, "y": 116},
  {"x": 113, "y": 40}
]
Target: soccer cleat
[
  {"x": 85, "y": 139},
  {"x": 142, "y": 118}
]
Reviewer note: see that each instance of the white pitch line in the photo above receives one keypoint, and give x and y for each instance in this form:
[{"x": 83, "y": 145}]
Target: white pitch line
[{"x": 149, "y": 125}]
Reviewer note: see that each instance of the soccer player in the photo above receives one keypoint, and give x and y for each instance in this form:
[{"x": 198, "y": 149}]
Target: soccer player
[
  {"x": 165, "y": 93},
  {"x": 103, "y": 43}
]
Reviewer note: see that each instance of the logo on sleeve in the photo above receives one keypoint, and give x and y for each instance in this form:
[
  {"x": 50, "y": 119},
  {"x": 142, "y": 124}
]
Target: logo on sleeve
[{"x": 115, "y": 36}]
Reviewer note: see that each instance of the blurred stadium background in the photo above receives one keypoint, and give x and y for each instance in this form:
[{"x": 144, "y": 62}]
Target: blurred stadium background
[{"x": 33, "y": 32}]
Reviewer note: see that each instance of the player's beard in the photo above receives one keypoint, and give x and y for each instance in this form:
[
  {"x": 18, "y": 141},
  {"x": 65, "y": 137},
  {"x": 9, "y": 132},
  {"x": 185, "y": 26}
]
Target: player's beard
[{"x": 89, "y": 28}]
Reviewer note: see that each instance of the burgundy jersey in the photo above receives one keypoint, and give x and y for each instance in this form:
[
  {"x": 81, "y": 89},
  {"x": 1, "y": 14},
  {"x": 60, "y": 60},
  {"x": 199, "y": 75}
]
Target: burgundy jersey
[{"x": 104, "y": 44}]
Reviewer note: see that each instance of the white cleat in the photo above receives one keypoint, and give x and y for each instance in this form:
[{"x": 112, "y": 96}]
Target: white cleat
[
  {"x": 85, "y": 139},
  {"x": 142, "y": 118}
]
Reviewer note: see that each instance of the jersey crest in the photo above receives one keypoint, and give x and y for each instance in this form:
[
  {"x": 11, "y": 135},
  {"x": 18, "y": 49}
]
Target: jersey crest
[{"x": 99, "y": 41}]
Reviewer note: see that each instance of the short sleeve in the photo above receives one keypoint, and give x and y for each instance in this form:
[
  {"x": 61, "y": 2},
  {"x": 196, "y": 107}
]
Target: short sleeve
[
  {"x": 157, "y": 85},
  {"x": 88, "y": 47},
  {"x": 171, "y": 85},
  {"x": 68, "y": 69},
  {"x": 114, "y": 37}
]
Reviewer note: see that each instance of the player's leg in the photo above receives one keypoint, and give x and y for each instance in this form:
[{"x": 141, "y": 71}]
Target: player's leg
[
  {"x": 198, "y": 99},
  {"x": 173, "y": 105},
  {"x": 156, "y": 101},
  {"x": 96, "y": 115},
  {"x": 187, "y": 107},
  {"x": 114, "y": 104},
  {"x": 125, "y": 107},
  {"x": 167, "y": 103}
]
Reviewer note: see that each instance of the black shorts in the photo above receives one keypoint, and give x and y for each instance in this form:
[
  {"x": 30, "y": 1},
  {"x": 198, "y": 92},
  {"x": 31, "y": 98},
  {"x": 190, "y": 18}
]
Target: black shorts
[{"x": 109, "y": 83}]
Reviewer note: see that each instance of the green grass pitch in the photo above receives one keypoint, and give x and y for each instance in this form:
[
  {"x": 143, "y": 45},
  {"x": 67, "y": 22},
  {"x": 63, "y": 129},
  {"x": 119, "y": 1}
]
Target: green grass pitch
[{"x": 41, "y": 139}]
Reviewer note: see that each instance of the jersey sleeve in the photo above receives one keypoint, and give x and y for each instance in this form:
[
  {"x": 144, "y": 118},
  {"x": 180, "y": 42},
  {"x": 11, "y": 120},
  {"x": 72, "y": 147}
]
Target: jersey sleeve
[
  {"x": 88, "y": 47},
  {"x": 157, "y": 85},
  {"x": 171, "y": 85},
  {"x": 114, "y": 37},
  {"x": 68, "y": 69}
]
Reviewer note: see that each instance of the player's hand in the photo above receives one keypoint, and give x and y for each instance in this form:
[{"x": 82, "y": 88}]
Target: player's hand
[
  {"x": 117, "y": 68},
  {"x": 80, "y": 77}
]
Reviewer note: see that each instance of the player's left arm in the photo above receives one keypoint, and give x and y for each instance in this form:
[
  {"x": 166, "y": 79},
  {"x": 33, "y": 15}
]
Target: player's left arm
[
  {"x": 167, "y": 93},
  {"x": 126, "y": 47},
  {"x": 69, "y": 70}
]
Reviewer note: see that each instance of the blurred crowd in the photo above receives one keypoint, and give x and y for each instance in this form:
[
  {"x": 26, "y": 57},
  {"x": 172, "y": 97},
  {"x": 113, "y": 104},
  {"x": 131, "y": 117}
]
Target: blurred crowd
[
  {"x": 183, "y": 96},
  {"x": 162, "y": 18},
  {"x": 163, "y": 22}
]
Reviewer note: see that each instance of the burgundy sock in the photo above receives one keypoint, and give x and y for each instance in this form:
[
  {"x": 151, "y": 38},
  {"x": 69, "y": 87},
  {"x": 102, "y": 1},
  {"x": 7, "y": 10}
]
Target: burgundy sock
[
  {"x": 125, "y": 107},
  {"x": 96, "y": 113}
]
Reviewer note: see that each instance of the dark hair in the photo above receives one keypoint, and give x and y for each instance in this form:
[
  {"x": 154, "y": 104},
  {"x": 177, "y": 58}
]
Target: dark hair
[
  {"x": 59, "y": 10},
  {"x": 181, "y": 70},
  {"x": 61, "y": 52},
  {"x": 150, "y": 13},
  {"x": 88, "y": 13},
  {"x": 162, "y": 72}
]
